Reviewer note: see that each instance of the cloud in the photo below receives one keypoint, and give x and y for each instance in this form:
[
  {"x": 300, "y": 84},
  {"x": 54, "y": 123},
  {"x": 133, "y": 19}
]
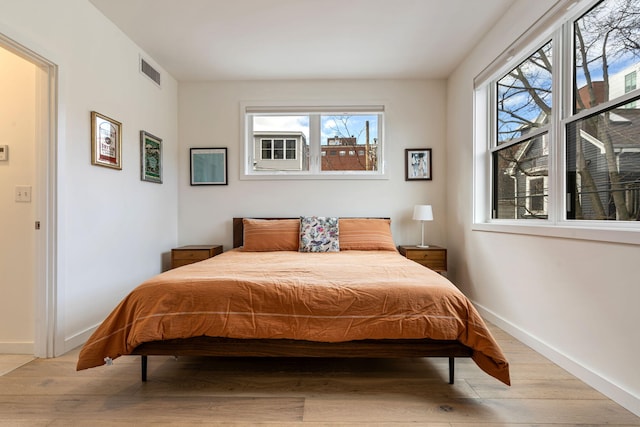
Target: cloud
[
  {"x": 282, "y": 123},
  {"x": 330, "y": 125}
]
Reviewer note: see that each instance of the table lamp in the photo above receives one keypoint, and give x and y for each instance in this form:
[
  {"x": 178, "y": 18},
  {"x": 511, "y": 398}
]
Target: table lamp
[{"x": 422, "y": 213}]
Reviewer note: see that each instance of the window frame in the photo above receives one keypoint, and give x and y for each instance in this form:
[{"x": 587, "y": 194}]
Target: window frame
[
  {"x": 314, "y": 111},
  {"x": 556, "y": 25}
]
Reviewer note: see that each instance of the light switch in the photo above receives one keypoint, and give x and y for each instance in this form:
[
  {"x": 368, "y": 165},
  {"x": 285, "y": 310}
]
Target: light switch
[
  {"x": 4, "y": 152},
  {"x": 23, "y": 193}
]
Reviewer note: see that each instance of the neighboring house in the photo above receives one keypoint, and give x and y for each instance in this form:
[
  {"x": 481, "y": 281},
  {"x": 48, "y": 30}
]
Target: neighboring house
[
  {"x": 624, "y": 134},
  {"x": 282, "y": 151},
  {"x": 525, "y": 181},
  {"x": 624, "y": 82},
  {"x": 345, "y": 154}
]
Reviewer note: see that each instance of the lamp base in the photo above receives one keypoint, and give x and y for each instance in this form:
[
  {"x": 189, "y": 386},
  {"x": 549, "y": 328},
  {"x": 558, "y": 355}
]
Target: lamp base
[{"x": 422, "y": 245}]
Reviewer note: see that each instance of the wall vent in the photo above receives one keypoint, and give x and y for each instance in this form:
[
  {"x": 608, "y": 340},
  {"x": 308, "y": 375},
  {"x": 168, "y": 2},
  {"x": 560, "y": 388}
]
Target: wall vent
[{"x": 149, "y": 71}]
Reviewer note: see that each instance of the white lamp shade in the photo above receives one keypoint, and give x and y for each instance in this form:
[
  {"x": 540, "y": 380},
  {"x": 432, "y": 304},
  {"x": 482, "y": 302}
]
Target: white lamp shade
[{"x": 423, "y": 213}]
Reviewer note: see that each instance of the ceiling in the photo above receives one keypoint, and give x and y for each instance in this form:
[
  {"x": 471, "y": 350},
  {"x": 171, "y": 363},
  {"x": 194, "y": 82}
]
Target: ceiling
[{"x": 202, "y": 40}]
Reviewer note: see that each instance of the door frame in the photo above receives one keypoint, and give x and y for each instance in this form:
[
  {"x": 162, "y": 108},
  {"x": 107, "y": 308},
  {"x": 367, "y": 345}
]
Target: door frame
[{"x": 48, "y": 340}]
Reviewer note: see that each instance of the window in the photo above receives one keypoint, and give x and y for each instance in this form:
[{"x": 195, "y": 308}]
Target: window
[
  {"x": 630, "y": 82},
  {"x": 267, "y": 149},
  {"x": 524, "y": 96},
  {"x": 536, "y": 195},
  {"x": 630, "y": 85},
  {"x": 602, "y": 179},
  {"x": 300, "y": 142},
  {"x": 290, "y": 149},
  {"x": 563, "y": 143},
  {"x": 274, "y": 149},
  {"x": 603, "y": 167},
  {"x": 516, "y": 167},
  {"x": 523, "y": 107}
]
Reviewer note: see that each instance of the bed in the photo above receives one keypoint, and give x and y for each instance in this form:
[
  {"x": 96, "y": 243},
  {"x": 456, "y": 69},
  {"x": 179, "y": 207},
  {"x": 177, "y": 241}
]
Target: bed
[{"x": 290, "y": 289}]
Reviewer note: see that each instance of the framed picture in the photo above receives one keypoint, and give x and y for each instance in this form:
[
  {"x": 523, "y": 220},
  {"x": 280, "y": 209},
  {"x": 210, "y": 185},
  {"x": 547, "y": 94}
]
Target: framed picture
[
  {"x": 106, "y": 141},
  {"x": 208, "y": 166},
  {"x": 150, "y": 157},
  {"x": 417, "y": 164}
]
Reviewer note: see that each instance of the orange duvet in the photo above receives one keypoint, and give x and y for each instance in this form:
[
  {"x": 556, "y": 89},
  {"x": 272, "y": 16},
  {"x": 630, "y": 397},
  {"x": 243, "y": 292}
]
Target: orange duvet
[{"x": 329, "y": 297}]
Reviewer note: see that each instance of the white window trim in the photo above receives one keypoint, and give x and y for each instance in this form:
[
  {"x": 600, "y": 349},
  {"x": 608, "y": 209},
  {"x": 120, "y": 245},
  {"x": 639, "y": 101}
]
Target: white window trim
[
  {"x": 314, "y": 150},
  {"x": 550, "y": 25}
]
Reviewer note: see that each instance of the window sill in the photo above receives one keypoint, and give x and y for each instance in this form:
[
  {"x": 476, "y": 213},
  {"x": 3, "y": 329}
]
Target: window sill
[{"x": 621, "y": 233}]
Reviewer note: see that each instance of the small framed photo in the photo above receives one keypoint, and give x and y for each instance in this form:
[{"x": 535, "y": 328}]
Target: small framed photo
[
  {"x": 106, "y": 141},
  {"x": 208, "y": 166},
  {"x": 150, "y": 157},
  {"x": 417, "y": 164}
]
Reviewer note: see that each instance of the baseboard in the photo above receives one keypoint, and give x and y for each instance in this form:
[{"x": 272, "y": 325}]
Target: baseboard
[
  {"x": 78, "y": 339},
  {"x": 604, "y": 386},
  {"x": 26, "y": 347}
]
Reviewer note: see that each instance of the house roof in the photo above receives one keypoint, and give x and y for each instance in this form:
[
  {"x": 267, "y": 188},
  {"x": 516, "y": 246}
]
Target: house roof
[{"x": 625, "y": 124}]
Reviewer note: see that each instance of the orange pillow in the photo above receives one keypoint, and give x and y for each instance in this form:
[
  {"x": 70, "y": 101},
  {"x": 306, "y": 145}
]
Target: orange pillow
[
  {"x": 366, "y": 234},
  {"x": 265, "y": 235}
]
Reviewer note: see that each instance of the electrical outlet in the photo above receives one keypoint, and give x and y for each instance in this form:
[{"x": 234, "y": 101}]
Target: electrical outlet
[{"x": 23, "y": 193}]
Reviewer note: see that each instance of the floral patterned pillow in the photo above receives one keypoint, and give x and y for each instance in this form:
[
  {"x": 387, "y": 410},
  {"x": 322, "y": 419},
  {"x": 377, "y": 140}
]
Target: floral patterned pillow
[{"x": 319, "y": 234}]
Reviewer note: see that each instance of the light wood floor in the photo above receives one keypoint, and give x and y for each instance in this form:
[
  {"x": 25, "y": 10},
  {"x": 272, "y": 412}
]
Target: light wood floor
[
  {"x": 303, "y": 392},
  {"x": 9, "y": 362}
]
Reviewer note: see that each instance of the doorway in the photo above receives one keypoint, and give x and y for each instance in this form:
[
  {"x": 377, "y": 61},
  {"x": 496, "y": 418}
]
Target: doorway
[{"x": 28, "y": 135}]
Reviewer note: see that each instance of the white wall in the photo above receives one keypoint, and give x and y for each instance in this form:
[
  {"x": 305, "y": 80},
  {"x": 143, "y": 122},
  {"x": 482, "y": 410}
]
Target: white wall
[
  {"x": 209, "y": 116},
  {"x": 17, "y": 252},
  {"x": 113, "y": 228},
  {"x": 575, "y": 301}
]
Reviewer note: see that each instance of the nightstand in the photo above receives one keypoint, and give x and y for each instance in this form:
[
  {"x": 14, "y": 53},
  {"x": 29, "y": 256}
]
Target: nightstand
[
  {"x": 193, "y": 253},
  {"x": 433, "y": 257}
]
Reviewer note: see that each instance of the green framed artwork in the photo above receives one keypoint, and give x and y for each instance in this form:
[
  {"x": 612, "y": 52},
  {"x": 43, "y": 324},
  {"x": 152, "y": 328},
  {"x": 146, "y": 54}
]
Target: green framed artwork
[
  {"x": 208, "y": 166},
  {"x": 150, "y": 157}
]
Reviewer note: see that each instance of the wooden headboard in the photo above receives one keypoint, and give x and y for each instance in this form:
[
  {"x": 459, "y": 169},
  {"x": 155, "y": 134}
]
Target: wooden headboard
[{"x": 238, "y": 228}]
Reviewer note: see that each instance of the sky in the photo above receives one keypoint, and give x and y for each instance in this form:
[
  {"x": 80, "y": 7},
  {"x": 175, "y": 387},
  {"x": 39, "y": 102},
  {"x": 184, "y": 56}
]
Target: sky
[
  {"x": 621, "y": 13},
  {"x": 331, "y": 125},
  {"x": 620, "y": 61}
]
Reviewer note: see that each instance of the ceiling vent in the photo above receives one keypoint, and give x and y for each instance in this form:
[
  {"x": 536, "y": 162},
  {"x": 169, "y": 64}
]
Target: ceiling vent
[{"x": 149, "y": 71}]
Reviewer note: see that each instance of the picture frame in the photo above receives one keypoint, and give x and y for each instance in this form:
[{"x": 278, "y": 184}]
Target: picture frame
[
  {"x": 106, "y": 141},
  {"x": 150, "y": 157},
  {"x": 417, "y": 164},
  {"x": 208, "y": 166}
]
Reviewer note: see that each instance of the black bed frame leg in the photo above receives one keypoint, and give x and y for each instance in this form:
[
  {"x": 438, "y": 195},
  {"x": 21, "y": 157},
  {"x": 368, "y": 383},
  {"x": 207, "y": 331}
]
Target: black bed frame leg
[
  {"x": 143, "y": 367},
  {"x": 452, "y": 364}
]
